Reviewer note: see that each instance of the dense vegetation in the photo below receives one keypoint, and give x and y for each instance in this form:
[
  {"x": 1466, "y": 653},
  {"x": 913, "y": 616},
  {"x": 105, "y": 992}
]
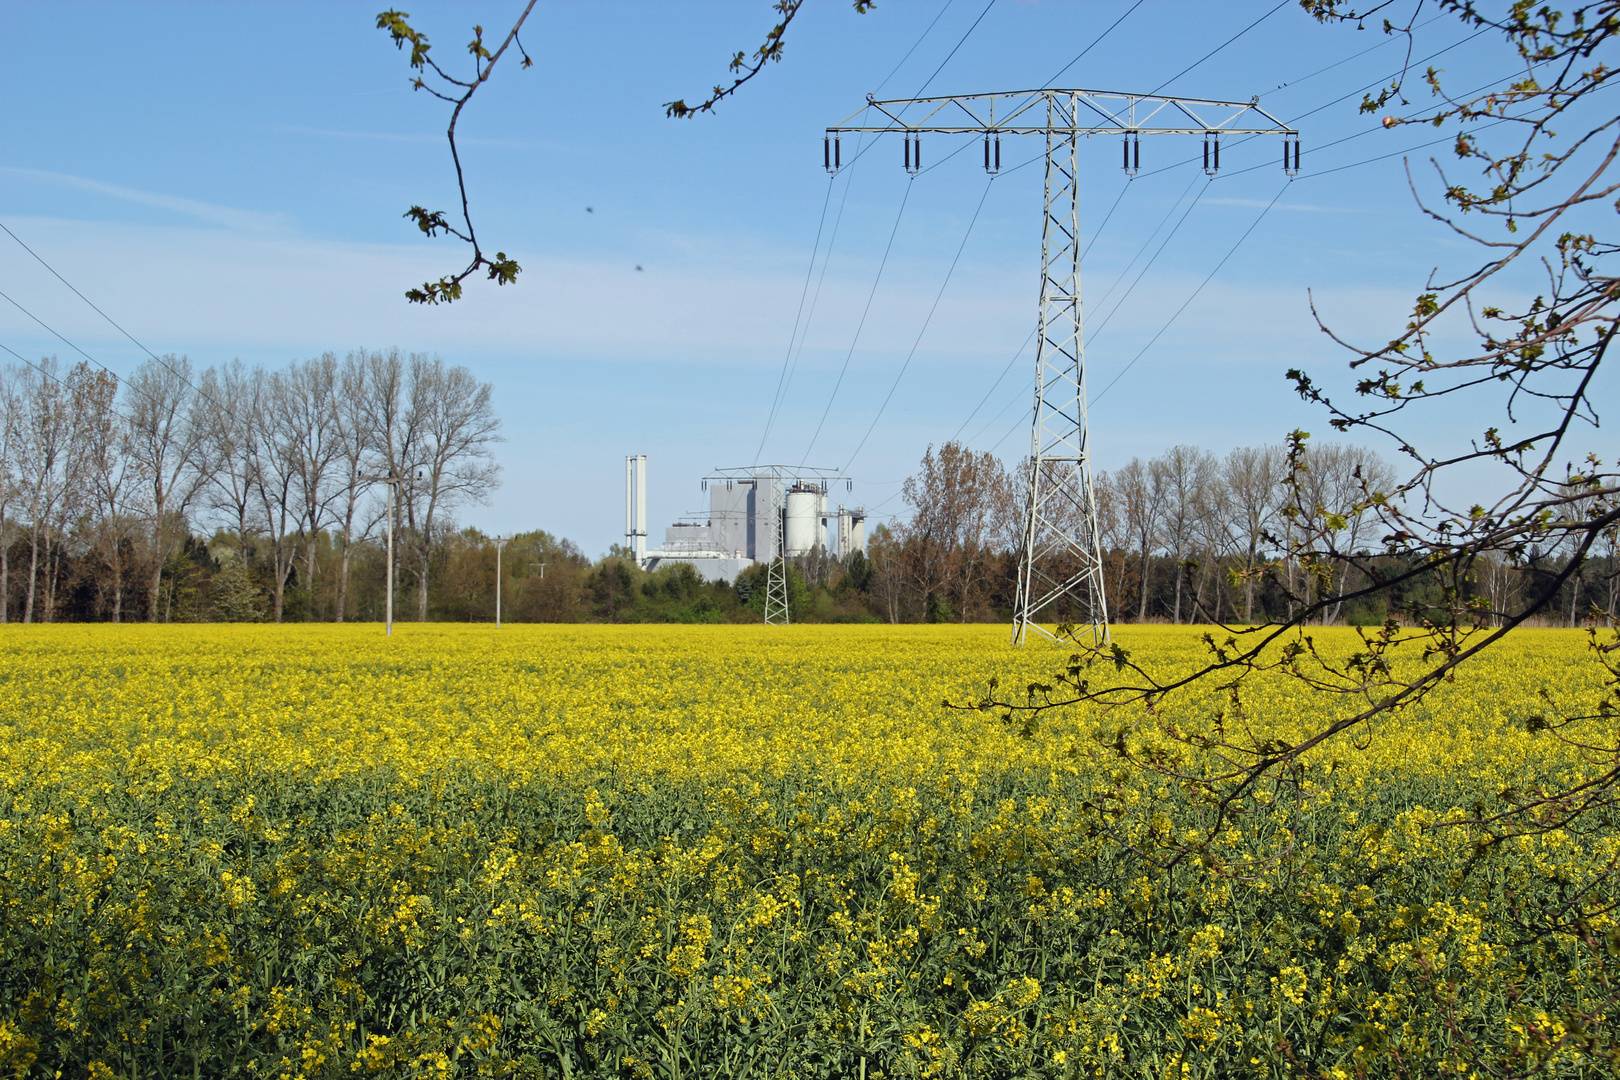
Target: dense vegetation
[{"x": 601, "y": 852}]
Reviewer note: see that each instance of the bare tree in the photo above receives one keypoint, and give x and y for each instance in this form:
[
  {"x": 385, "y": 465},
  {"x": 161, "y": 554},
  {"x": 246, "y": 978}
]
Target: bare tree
[
  {"x": 453, "y": 426},
  {"x": 1113, "y": 527},
  {"x": 353, "y": 454},
  {"x": 962, "y": 508},
  {"x": 389, "y": 426},
  {"x": 230, "y": 448},
  {"x": 167, "y": 423},
  {"x": 888, "y": 579},
  {"x": 315, "y": 434},
  {"x": 1213, "y": 539},
  {"x": 44, "y": 433},
  {"x": 278, "y": 467},
  {"x": 103, "y": 473},
  {"x": 10, "y": 432},
  {"x": 1179, "y": 475},
  {"x": 1253, "y": 476},
  {"x": 1141, "y": 505},
  {"x": 1334, "y": 480}
]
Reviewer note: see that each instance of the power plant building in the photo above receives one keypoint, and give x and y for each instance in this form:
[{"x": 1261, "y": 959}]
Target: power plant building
[{"x": 746, "y": 516}]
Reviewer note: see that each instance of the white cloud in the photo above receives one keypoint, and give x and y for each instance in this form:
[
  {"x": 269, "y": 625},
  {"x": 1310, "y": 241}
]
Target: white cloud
[{"x": 227, "y": 216}]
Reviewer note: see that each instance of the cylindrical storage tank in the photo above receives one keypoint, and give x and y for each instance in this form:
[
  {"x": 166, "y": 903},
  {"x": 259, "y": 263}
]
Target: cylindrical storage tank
[
  {"x": 858, "y": 534},
  {"x": 800, "y": 534}
]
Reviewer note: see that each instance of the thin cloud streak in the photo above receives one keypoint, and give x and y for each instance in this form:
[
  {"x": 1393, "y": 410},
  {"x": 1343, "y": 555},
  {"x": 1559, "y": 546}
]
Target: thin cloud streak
[{"x": 230, "y": 217}]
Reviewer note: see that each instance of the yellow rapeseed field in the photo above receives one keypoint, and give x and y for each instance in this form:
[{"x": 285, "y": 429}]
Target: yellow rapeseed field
[{"x": 731, "y": 851}]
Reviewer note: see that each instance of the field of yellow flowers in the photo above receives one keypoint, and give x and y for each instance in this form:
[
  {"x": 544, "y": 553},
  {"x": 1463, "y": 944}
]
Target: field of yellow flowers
[{"x": 730, "y": 851}]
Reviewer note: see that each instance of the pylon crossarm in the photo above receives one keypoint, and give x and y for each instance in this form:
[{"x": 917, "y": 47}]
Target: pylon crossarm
[{"x": 1068, "y": 112}]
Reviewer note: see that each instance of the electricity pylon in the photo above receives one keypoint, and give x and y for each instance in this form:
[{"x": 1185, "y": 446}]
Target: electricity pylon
[{"x": 1060, "y": 570}]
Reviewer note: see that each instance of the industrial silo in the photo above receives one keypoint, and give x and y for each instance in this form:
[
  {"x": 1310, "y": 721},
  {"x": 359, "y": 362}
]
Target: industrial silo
[{"x": 803, "y": 504}]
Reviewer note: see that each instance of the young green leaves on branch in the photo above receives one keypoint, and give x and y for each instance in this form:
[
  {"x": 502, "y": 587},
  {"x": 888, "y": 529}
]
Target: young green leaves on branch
[
  {"x": 446, "y": 87},
  {"x": 769, "y": 52}
]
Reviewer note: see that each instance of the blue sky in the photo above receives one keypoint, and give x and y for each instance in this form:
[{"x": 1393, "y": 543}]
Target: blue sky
[{"x": 227, "y": 181}]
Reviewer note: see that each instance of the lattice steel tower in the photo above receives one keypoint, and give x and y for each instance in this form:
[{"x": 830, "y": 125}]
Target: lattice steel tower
[{"x": 1060, "y": 556}]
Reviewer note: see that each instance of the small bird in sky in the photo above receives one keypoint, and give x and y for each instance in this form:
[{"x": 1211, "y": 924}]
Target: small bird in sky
[
  {"x": 638, "y": 268},
  {"x": 590, "y": 209}
]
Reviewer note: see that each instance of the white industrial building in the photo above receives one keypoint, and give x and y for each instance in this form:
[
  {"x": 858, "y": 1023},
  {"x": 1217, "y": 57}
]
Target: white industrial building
[{"x": 748, "y": 511}]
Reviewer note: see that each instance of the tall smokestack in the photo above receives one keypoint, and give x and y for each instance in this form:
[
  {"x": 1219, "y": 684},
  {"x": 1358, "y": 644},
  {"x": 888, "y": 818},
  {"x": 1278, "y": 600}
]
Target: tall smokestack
[
  {"x": 641, "y": 508},
  {"x": 629, "y": 502}
]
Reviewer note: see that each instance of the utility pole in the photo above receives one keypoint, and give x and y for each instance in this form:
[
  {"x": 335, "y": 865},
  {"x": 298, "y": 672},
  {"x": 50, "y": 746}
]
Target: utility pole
[
  {"x": 392, "y": 482},
  {"x": 1060, "y": 570},
  {"x": 500, "y": 543}
]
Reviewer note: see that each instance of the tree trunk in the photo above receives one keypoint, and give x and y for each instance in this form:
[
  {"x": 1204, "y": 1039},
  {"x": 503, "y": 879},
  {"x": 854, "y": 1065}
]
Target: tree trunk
[
  {"x": 422, "y": 591},
  {"x": 343, "y": 578},
  {"x": 1142, "y": 586},
  {"x": 33, "y": 578},
  {"x": 1248, "y": 589},
  {"x": 309, "y": 574},
  {"x": 53, "y": 561},
  {"x": 1179, "y": 576},
  {"x": 157, "y": 585}
]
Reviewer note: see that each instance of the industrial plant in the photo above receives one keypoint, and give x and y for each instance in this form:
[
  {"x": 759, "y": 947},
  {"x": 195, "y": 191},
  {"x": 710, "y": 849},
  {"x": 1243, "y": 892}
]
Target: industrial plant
[{"x": 756, "y": 514}]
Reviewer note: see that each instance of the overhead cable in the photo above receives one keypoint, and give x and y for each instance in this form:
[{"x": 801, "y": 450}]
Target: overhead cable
[
  {"x": 958, "y": 45},
  {"x": 919, "y": 41},
  {"x": 797, "y": 316},
  {"x": 860, "y": 325},
  {"x": 1095, "y": 42},
  {"x": 1194, "y": 294},
  {"x": 1281, "y": 4},
  {"x": 924, "y": 329},
  {"x": 155, "y": 357},
  {"x": 992, "y": 390}
]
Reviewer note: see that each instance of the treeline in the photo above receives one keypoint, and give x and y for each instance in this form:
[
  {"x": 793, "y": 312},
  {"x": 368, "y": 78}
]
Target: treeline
[
  {"x": 107, "y": 487},
  {"x": 1181, "y": 534},
  {"x": 240, "y": 494}
]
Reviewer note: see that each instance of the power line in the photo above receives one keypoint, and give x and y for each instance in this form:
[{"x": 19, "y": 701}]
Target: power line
[
  {"x": 860, "y": 325},
  {"x": 1353, "y": 56},
  {"x": 995, "y": 384},
  {"x": 1094, "y": 43},
  {"x": 1328, "y": 105},
  {"x": 155, "y": 357},
  {"x": 1376, "y": 128},
  {"x": 1149, "y": 265},
  {"x": 803, "y": 293},
  {"x": 929, "y": 318},
  {"x": 77, "y": 293},
  {"x": 1194, "y": 295},
  {"x": 1395, "y": 153},
  {"x": 1104, "y": 223},
  {"x": 58, "y": 336},
  {"x": 1280, "y": 5},
  {"x": 1267, "y": 209},
  {"x": 1245, "y": 236},
  {"x": 914, "y": 45},
  {"x": 1168, "y": 214},
  {"x": 959, "y": 44}
]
